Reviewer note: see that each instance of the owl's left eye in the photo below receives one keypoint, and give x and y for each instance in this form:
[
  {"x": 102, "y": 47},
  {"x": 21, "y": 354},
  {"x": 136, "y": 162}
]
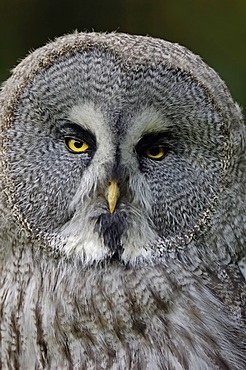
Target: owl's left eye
[
  {"x": 153, "y": 146},
  {"x": 156, "y": 152},
  {"x": 75, "y": 145}
]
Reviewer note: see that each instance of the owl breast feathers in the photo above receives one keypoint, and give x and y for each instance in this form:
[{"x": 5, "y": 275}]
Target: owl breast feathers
[{"x": 122, "y": 209}]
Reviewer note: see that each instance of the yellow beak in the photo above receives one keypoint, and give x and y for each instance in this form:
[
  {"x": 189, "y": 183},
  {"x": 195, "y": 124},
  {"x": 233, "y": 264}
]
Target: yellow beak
[{"x": 112, "y": 195}]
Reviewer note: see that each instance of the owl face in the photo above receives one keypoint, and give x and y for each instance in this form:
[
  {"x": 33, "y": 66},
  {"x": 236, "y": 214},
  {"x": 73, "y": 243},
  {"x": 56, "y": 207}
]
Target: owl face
[{"x": 109, "y": 151}]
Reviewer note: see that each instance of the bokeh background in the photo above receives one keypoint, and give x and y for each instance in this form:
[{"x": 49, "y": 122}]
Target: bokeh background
[{"x": 214, "y": 29}]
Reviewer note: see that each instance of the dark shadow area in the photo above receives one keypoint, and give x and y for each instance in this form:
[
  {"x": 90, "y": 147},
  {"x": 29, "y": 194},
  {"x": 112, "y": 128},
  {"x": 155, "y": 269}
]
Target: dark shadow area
[{"x": 216, "y": 30}]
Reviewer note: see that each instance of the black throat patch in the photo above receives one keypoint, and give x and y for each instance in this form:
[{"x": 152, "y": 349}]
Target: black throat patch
[{"x": 111, "y": 228}]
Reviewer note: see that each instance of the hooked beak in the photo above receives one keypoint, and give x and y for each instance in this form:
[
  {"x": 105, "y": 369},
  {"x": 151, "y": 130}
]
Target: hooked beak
[{"x": 112, "y": 195}]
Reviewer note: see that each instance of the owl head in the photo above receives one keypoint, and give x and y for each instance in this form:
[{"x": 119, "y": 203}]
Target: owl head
[{"x": 117, "y": 146}]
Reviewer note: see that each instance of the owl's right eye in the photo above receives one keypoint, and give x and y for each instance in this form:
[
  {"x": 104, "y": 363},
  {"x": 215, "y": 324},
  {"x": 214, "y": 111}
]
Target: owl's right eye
[{"x": 75, "y": 145}]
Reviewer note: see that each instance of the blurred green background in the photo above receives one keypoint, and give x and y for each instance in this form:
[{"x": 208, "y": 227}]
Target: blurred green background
[{"x": 214, "y": 29}]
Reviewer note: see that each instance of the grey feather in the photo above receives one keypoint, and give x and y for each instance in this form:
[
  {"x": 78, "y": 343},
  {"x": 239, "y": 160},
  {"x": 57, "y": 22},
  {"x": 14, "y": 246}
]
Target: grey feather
[{"x": 158, "y": 283}]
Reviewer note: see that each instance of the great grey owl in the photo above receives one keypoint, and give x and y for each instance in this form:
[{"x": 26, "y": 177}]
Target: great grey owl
[{"x": 123, "y": 199}]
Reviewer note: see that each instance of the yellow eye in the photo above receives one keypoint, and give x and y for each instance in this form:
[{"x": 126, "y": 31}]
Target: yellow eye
[
  {"x": 156, "y": 152},
  {"x": 76, "y": 145}
]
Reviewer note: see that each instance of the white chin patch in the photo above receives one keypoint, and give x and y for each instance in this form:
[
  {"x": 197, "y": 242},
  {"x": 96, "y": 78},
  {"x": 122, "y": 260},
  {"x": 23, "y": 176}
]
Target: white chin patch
[{"x": 87, "y": 246}]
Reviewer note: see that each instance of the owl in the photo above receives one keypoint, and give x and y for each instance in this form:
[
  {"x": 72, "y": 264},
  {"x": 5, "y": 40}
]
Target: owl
[{"x": 123, "y": 209}]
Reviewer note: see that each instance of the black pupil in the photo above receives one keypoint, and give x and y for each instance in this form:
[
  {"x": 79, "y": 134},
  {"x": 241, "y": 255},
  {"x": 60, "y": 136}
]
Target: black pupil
[
  {"x": 78, "y": 144},
  {"x": 154, "y": 151}
]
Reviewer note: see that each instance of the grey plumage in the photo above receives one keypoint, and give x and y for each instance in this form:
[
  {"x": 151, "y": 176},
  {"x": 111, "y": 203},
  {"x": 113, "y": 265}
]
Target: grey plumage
[{"x": 154, "y": 283}]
